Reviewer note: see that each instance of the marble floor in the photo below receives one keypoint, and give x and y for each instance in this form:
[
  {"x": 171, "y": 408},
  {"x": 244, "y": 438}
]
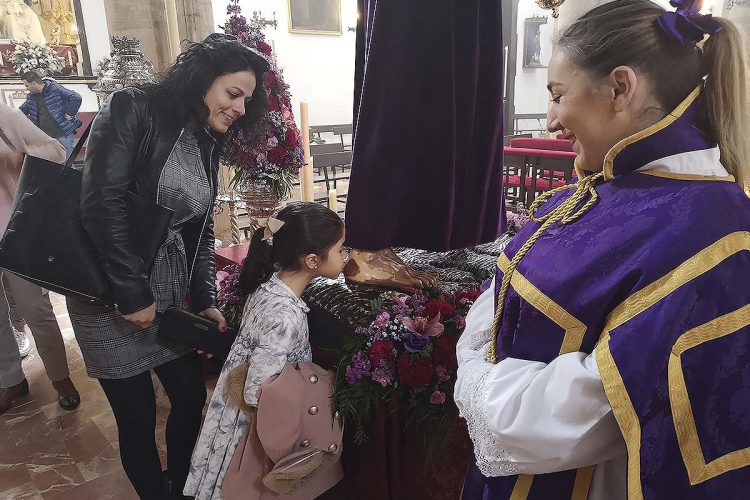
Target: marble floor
[{"x": 47, "y": 453}]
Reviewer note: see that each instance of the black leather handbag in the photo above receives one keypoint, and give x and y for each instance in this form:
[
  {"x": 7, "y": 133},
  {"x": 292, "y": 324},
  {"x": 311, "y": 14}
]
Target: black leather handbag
[
  {"x": 183, "y": 327},
  {"x": 45, "y": 242}
]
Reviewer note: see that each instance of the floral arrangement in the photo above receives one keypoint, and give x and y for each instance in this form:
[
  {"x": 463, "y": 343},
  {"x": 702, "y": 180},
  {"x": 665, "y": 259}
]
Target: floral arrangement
[
  {"x": 29, "y": 56},
  {"x": 271, "y": 153},
  {"x": 228, "y": 297},
  {"x": 516, "y": 220},
  {"x": 408, "y": 352}
]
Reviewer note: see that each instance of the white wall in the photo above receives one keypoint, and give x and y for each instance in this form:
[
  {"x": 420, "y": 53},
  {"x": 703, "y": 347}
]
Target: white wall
[
  {"x": 531, "y": 92},
  {"x": 318, "y": 68},
  {"x": 531, "y": 83}
]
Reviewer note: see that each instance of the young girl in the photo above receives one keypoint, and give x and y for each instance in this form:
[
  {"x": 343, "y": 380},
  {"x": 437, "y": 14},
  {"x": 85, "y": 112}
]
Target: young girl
[{"x": 305, "y": 241}]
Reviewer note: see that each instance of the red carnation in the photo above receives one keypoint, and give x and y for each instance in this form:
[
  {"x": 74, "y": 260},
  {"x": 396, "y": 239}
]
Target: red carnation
[
  {"x": 264, "y": 47},
  {"x": 445, "y": 351},
  {"x": 415, "y": 372},
  {"x": 381, "y": 352},
  {"x": 292, "y": 138},
  {"x": 471, "y": 295},
  {"x": 270, "y": 79},
  {"x": 436, "y": 306},
  {"x": 277, "y": 155}
]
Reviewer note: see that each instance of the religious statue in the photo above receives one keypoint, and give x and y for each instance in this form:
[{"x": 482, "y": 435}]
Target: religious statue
[{"x": 19, "y": 22}]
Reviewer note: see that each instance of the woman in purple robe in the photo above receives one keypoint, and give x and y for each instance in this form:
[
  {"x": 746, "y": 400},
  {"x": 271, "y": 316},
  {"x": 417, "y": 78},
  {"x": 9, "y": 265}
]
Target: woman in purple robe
[{"x": 611, "y": 359}]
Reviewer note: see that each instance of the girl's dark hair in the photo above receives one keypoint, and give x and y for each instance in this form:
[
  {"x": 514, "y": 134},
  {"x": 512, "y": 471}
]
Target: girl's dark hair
[
  {"x": 626, "y": 33},
  {"x": 179, "y": 94},
  {"x": 309, "y": 228}
]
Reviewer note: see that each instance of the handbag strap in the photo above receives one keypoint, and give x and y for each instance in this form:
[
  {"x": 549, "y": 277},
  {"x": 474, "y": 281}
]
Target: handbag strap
[
  {"x": 85, "y": 136},
  {"x": 79, "y": 146}
]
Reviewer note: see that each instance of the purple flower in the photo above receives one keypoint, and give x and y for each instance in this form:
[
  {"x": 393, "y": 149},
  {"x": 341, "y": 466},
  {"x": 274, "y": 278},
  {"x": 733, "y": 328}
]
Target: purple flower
[
  {"x": 485, "y": 285},
  {"x": 381, "y": 320},
  {"x": 383, "y": 375},
  {"x": 414, "y": 342},
  {"x": 358, "y": 369}
]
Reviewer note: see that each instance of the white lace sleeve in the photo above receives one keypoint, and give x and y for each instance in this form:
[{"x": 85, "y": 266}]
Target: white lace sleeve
[
  {"x": 527, "y": 417},
  {"x": 491, "y": 458}
]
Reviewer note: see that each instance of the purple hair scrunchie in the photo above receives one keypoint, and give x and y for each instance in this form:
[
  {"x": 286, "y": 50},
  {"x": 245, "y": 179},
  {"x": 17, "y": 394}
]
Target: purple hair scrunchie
[{"x": 687, "y": 24}]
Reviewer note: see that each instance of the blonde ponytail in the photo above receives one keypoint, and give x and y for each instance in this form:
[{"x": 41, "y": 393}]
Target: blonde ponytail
[{"x": 728, "y": 98}]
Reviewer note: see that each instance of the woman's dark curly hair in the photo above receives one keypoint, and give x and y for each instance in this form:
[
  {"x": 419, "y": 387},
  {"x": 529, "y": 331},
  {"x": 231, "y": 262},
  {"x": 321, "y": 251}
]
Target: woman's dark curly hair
[{"x": 179, "y": 93}]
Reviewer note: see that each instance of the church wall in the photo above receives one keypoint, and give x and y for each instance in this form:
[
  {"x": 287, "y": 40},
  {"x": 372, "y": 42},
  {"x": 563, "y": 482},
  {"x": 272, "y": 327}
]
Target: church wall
[
  {"x": 531, "y": 83},
  {"x": 318, "y": 68}
]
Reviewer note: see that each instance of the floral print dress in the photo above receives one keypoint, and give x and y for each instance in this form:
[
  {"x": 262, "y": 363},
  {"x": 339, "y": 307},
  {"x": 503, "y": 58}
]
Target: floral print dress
[{"x": 274, "y": 332}]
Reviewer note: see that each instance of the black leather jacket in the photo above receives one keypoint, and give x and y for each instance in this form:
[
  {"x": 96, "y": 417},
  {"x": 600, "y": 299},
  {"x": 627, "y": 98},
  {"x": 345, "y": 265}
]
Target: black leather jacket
[{"x": 128, "y": 128}]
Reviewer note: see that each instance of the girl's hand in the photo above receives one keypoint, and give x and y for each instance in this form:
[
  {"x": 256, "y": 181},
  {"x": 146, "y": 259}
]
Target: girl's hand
[
  {"x": 215, "y": 315},
  {"x": 143, "y": 318}
]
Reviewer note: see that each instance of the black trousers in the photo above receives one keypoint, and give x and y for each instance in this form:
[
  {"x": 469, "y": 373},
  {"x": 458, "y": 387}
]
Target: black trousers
[{"x": 134, "y": 406}]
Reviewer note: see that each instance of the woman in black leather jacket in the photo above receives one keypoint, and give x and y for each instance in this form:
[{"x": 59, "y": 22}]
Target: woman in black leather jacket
[{"x": 162, "y": 142}]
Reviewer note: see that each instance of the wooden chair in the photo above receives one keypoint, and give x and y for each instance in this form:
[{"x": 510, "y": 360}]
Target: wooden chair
[
  {"x": 551, "y": 169},
  {"x": 515, "y": 169},
  {"x": 544, "y": 144},
  {"x": 509, "y": 138},
  {"x": 341, "y": 131},
  {"x": 342, "y": 160},
  {"x": 319, "y": 149}
]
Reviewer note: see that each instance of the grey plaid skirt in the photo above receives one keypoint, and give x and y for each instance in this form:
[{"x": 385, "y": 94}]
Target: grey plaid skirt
[{"x": 114, "y": 348}]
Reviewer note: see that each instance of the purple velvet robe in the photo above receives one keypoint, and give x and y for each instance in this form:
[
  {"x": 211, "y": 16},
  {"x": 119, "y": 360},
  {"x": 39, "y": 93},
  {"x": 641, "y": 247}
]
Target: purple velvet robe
[
  {"x": 657, "y": 276},
  {"x": 428, "y": 126}
]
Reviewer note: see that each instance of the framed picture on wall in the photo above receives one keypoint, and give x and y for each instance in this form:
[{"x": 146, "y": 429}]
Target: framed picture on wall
[
  {"x": 532, "y": 42},
  {"x": 13, "y": 97},
  {"x": 318, "y": 17}
]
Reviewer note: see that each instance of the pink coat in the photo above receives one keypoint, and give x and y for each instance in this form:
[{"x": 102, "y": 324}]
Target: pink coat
[{"x": 293, "y": 445}]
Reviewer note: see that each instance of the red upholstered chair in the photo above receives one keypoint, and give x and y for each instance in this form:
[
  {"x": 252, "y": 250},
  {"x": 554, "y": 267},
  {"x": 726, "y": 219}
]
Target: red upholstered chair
[
  {"x": 545, "y": 144},
  {"x": 515, "y": 180},
  {"x": 543, "y": 170}
]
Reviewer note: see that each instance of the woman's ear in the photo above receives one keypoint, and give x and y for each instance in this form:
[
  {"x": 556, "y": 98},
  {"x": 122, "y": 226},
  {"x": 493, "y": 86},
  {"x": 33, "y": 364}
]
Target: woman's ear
[
  {"x": 311, "y": 261},
  {"x": 622, "y": 82}
]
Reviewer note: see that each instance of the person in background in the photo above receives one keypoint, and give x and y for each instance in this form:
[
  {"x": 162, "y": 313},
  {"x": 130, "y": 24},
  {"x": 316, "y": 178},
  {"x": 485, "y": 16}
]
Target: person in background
[
  {"x": 52, "y": 108},
  {"x": 17, "y": 321},
  {"x": 18, "y": 137}
]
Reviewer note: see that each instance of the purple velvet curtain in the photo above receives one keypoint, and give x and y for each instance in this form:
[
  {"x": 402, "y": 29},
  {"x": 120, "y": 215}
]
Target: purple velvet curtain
[{"x": 428, "y": 138}]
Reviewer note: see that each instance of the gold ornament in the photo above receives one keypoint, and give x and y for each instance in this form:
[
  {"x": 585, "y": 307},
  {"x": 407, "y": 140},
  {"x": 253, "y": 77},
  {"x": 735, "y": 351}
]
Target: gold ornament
[{"x": 553, "y": 5}]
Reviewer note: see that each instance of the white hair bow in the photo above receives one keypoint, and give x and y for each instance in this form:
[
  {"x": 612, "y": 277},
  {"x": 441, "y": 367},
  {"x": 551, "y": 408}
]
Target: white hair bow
[{"x": 271, "y": 226}]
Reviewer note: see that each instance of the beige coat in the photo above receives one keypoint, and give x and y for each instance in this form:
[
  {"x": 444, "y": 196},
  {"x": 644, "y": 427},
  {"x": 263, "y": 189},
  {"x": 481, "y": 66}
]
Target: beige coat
[{"x": 25, "y": 138}]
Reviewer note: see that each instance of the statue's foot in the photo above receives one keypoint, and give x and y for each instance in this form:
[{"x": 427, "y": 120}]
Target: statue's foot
[{"x": 385, "y": 268}]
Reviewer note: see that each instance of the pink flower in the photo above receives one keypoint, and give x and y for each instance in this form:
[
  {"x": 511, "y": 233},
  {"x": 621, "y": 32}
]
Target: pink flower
[
  {"x": 460, "y": 322},
  {"x": 423, "y": 326},
  {"x": 442, "y": 373},
  {"x": 399, "y": 300},
  {"x": 273, "y": 142},
  {"x": 437, "y": 398},
  {"x": 382, "y": 320},
  {"x": 286, "y": 115}
]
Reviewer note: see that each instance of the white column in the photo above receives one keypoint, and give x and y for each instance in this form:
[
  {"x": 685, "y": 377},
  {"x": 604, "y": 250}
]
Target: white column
[{"x": 172, "y": 29}]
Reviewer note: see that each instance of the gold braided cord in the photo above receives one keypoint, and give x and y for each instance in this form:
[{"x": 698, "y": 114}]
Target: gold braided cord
[{"x": 565, "y": 213}]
